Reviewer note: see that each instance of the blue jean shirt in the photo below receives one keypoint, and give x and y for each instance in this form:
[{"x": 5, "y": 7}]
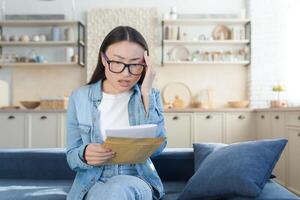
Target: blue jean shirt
[{"x": 83, "y": 128}]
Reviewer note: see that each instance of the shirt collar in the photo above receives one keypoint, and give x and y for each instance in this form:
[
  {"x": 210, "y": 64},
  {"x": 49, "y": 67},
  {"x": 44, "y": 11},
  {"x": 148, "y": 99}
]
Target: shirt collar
[{"x": 96, "y": 90}]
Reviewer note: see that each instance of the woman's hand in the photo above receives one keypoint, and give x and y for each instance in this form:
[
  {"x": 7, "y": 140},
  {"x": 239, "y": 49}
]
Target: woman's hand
[
  {"x": 96, "y": 155},
  {"x": 149, "y": 76}
]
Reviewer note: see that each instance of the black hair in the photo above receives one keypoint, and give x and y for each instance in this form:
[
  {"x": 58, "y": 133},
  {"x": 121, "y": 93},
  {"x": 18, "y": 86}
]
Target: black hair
[{"x": 118, "y": 34}]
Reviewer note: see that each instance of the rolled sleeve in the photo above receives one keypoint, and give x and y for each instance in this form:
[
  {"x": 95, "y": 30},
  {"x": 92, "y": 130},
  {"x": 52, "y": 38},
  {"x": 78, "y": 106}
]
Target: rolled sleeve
[
  {"x": 75, "y": 146},
  {"x": 155, "y": 116}
]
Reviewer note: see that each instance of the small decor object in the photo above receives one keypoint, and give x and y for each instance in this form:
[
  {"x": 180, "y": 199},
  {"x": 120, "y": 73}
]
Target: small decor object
[
  {"x": 176, "y": 95},
  {"x": 30, "y": 104},
  {"x": 70, "y": 52},
  {"x": 221, "y": 32},
  {"x": 54, "y": 103},
  {"x": 69, "y": 35},
  {"x": 178, "y": 103},
  {"x": 173, "y": 13},
  {"x": 179, "y": 53},
  {"x": 238, "y": 104},
  {"x": 24, "y": 38},
  {"x": 13, "y": 38},
  {"x": 36, "y": 38},
  {"x": 278, "y": 103},
  {"x": 43, "y": 38},
  {"x": 55, "y": 33}
]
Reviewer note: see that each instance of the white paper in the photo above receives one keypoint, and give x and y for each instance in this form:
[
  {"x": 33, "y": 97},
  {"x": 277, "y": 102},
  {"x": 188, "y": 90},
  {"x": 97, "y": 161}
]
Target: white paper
[{"x": 139, "y": 131}]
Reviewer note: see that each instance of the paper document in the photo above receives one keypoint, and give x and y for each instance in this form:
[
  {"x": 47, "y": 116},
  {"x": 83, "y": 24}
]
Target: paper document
[
  {"x": 133, "y": 144},
  {"x": 139, "y": 131}
]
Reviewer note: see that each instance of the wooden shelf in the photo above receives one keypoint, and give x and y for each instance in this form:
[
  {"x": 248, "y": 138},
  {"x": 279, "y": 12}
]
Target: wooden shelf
[
  {"x": 39, "y": 64},
  {"x": 24, "y": 23},
  {"x": 41, "y": 44},
  {"x": 205, "y": 21},
  {"x": 206, "y": 63},
  {"x": 227, "y": 42}
]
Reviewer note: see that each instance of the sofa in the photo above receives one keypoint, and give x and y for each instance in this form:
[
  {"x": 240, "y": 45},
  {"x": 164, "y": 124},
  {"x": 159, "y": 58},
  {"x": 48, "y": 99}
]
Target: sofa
[{"x": 44, "y": 174}]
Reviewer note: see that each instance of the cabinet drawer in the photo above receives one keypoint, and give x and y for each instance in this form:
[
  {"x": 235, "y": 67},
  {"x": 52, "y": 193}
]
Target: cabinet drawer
[
  {"x": 178, "y": 127},
  {"x": 12, "y": 130},
  {"x": 208, "y": 127},
  {"x": 293, "y": 118},
  {"x": 44, "y": 130}
]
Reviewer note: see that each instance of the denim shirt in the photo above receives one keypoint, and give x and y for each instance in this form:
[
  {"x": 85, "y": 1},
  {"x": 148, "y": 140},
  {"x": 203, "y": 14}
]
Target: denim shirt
[{"x": 83, "y": 128}]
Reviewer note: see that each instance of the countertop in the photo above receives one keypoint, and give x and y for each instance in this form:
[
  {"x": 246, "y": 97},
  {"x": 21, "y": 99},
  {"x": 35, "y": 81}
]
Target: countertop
[{"x": 185, "y": 110}]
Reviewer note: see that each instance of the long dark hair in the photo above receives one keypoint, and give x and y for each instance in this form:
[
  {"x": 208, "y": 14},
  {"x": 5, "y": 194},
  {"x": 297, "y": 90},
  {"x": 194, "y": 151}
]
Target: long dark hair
[{"x": 118, "y": 34}]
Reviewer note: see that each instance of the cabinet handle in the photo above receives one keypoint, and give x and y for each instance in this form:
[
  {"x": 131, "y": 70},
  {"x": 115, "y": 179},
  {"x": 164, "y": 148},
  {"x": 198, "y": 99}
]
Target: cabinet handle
[
  {"x": 175, "y": 117},
  {"x": 276, "y": 117},
  {"x": 208, "y": 117},
  {"x": 11, "y": 117},
  {"x": 241, "y": 117},
  {"x": 43, "y": 117},
  {"x": 262, "y": 116}
]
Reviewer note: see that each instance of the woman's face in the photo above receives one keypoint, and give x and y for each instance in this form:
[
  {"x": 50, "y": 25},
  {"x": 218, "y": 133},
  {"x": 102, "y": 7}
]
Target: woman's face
[{"x": 126, "y": 52}]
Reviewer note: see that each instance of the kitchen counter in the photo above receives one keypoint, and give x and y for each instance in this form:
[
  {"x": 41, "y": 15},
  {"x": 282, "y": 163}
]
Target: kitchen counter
[
  {"x": 185, "y": 110},
  {"x": 278, "y": 109},
  {"x": 31, "y": 111},
  {"x": 192, "y": 110}
]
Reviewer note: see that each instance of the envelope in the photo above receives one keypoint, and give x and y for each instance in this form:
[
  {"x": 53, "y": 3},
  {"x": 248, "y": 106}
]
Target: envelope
[{"x": 132, "y": 150}]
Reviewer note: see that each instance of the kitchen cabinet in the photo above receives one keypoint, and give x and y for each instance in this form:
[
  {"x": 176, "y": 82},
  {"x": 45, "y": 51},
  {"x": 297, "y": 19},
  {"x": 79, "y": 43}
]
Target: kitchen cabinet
[
  {"x": 278, "y": 131},
  {"x": 293, "y": 151},
  {"x": 263, "y": 125},
  {"x": 13, "y": 133},
  {"x": 44, "y": 130},
  {"x": 32, "y": 130},
  {"x": 294, "y": 160},
  {"x": 240, "y": 127},
  {"x": 179, "y": 129},
  {"x": 208, "y": 127}
]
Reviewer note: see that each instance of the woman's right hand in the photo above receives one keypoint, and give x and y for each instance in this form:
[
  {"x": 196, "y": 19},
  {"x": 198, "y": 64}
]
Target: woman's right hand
[{"x": 96, "y": 155}]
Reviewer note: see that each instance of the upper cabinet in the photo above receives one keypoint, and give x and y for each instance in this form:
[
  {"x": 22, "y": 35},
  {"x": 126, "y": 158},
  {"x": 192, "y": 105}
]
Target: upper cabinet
[
  {"x": 206, "y": 41},
  {"x": 42, "y": 43}
]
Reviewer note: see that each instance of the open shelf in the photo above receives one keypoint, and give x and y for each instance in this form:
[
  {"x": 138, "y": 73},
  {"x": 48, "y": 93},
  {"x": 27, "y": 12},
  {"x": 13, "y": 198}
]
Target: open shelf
[
  {"x": 245, "y": 63},
  {"x": 61, "y": 64},
  {"x": 183, "y": 42}
]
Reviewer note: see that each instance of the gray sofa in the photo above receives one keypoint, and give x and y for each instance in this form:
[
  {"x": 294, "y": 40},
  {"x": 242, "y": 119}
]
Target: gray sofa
[{"x": 44, "y": 174}]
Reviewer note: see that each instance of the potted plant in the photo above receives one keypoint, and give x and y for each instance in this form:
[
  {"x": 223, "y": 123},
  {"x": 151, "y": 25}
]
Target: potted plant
[{"x": 278, "y": 103}]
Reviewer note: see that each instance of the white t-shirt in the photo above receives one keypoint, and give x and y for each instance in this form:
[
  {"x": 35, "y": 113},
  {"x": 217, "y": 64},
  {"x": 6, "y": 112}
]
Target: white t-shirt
[{"x": 114, "y": 110}]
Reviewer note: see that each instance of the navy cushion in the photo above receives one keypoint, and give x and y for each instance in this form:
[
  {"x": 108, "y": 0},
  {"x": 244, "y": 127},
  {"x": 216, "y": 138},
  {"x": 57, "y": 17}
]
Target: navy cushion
[{"x": 240, "y": 169}]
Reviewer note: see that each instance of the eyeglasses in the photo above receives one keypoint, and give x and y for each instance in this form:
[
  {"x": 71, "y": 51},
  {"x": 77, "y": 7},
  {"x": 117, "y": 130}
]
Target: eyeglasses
[{"x": 119, "y": 67}]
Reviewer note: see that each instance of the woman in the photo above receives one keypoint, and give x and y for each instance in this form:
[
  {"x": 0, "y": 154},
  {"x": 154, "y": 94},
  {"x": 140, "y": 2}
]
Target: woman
[{"x": 119, "y": 94}]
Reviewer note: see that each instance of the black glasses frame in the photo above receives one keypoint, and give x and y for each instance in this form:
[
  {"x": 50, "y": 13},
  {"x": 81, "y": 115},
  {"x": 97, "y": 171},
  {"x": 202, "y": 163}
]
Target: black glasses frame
[{"x": 125, "y": 66}]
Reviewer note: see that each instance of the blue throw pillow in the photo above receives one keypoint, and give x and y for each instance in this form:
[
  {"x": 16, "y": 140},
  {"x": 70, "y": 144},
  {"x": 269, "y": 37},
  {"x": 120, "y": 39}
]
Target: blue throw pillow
[{"x": 240, "y": 169}]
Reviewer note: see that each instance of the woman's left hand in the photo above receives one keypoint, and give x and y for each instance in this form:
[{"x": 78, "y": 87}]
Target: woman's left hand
[{"x": 149, "y": 76}]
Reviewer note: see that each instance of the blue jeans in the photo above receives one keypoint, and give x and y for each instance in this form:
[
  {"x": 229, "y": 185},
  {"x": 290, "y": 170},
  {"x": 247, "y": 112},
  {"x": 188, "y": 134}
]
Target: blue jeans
[{"x": 120, "y": 182}]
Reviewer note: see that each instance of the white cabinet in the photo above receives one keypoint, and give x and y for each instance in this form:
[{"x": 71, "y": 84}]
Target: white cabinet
[
  {"x": 44, "y": 130},
  {"x": 32, "y": 130},
  {"x": 278, "y": 131},
  {"x": 12, "y": 130},
  {"x": 240, "y": 127},
  {"x": 208, "y": 127},
  {"x": 294, "y": 160},
  {"x": 263, "y": 125},
  {"x": 179, "y": 129}
]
